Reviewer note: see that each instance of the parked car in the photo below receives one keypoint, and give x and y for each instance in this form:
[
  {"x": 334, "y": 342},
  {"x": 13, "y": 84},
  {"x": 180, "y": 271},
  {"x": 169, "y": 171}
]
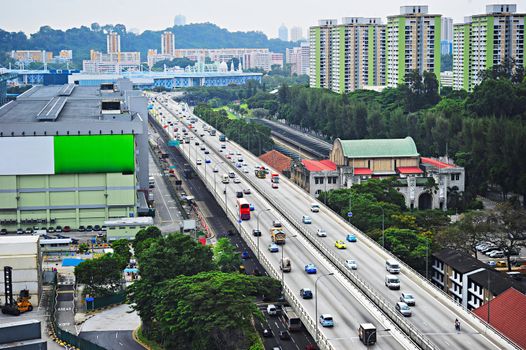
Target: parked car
[
  {"x": 50, "y": 229},
  {"x": 403, "y": 308},
  {"x": 496, "y": 254},
  {"x": 19, "y": 231},
  {"x": 3, "y": 232},
  {"x": 408, "y": 298},
  {"x": 58, "y": 229},
  {"x": 66, "y": 229},
  {"x": 306, "y": 293},
  {"x": 96, "y": 228},
  {"x": 89, "y": 228}
]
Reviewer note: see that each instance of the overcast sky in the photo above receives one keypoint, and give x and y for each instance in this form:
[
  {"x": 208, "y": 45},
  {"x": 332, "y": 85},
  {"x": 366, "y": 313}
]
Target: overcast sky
[{"x": 260, "y": 15}]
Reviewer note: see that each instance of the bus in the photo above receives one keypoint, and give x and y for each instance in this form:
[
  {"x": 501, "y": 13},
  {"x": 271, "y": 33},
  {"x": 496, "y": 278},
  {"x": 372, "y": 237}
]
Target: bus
[{"x": 244, "y": 209}]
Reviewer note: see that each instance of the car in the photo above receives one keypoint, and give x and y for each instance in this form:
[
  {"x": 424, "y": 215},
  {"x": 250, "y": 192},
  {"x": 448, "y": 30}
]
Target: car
[
  {"x": 58, "y": 229},
  {"x": 306, "y": 293},
  {"x": 273, "y": 248},
  {"x": 245, "y": 170},
  {"x": 199, "y": 162},
  {"x": 403, "y": 308},
  {"x": 202, "y": 134},
  {"x": 408, "y": 298},
  {"x": 246, "y": 191},
  {"x": 197, "y": 143},
  {"x": 239, "y": 165},
  {"x": 321, "y": 233},
  {"x": 245, "y": 255},
  {"x": 310, "y": 269},
  {"x": 272, "y": 310},
  {"x": 274, "y": 185},
  {"x": 239, "y": 194},
  {"x": 488, "y": 252},
  {"x": 89, "y": 228},
  {"x": 223, "y": 146},
  {"x": 256, "y": 232},
  {"x": 284, "y": 335},
  {"x": 228, "y": 156},
  {"x": 252, "y": 207},
  {"x": 208, "y": 161},
  {"x": 28, "y": 230},
  {"x": 326, "y": 320},
  {"x": 220, "y": 150},
  {"x": 207, "y": 151},
  {"x": 237, "y": 180},
  {"x": 276, "y": 223},
  {"x": 497, "y": 254},
  {"x": 202, "y": 148},
  {"x": 351, "y": 264},
  {"x": 66, "y": 228},
  {"x": 19, "y": 231},
  {"x": 3, "y": 232},
  {"x": 216, "y": 170},
  {"x": 351, "y": 237},
  {"x": 306, "y": 219},
  {"x": 488, "y": 248},
  {"x": 96, "y": 228},
  {"x": 267, "y": 333},
  {"x": 50, "y": 229},
  {"x": 340, "y": 244}
]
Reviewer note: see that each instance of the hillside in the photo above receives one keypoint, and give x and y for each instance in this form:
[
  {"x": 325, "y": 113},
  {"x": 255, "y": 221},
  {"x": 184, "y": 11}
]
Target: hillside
[{"x": 81, "y": 40}]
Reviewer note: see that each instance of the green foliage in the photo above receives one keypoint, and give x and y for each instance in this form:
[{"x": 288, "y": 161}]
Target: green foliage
[
  {"x": 182, "y": 62},
  {"x": 210, "y": 310},
  {"x": 121, "y": 249},
  {"x": 102, "y": 275},
  {"x": 226, "y": 258},
  {"x": 83, "y": 248},
  {"x": 173, "y": 255},
  {"x": 143, "y": 235},
  {"x": 252, "y": 136},
  {"x": 408, "y": 245}
]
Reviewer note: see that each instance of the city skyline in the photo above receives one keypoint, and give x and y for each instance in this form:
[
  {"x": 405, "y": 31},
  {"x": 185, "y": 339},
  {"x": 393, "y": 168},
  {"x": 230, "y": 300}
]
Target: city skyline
[{"x": 68, "y": 14}]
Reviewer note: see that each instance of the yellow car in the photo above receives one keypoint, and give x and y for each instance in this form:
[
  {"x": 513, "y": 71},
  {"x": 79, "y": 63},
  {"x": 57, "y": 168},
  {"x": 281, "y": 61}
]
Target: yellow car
[{"x": 340, "y": 244}]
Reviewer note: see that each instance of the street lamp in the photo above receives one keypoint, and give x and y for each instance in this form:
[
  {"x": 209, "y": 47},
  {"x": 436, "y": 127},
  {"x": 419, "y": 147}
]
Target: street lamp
[
  {"x": 215, "y": 183},
  {"x": 257, "y": 220},
  {"x": 383, "y": 226},
  {"x": 316, "y": 301}
]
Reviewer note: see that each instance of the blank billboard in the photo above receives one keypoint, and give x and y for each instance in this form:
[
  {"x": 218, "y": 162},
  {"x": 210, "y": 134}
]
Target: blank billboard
[{"x": 27, "y": 155}]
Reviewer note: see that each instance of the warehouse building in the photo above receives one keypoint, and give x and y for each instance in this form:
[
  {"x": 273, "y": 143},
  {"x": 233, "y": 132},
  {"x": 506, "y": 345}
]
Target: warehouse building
[
  {"x": 22, "y": 253},
  {"x": 73, "y": 156}
]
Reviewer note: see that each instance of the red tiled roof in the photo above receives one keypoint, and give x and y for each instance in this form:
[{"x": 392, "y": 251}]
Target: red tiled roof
[
  {"x": 409, "y": 170},
  {"x": 319, "y": 165},
  {"x": 507, "y": 314},
  {"x": 362, "y": 171},
  {"x": 437, "y": 163},
  {"x": 276, "y": 160}
]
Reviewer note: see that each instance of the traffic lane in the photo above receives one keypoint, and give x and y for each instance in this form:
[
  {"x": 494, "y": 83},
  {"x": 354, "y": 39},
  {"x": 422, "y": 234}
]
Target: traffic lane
[
  {"x": 439, "y": 324},
  {"x": 166, "y": 210},
  {"x": 112, "y": 340},
  {"x": 298, "y": 263},
  {"x": 276, "y": 325}
]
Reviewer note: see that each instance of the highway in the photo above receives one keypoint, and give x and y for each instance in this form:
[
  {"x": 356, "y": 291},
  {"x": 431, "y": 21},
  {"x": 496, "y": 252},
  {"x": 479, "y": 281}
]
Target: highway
[{"x": 433, "y": 314}]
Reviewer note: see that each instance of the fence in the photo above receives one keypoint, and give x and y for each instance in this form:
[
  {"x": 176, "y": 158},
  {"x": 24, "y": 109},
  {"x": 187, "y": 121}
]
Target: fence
[{"x": 100, "y": 302}]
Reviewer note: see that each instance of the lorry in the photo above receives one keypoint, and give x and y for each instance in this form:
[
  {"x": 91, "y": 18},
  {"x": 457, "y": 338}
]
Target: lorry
[
  {"x": 293, "y": 321},
  {"x": 260, "y": 173},
  {"x": 278, "y": 235},
  {"x": 22, "y": 303},
  {"x": 274, "y": 178},
  {"x": 367, "y": 333}
]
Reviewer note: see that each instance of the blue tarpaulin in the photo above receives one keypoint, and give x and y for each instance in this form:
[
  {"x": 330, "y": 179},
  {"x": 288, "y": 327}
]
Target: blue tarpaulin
[
  {"x": 128, "y": 270},
  {"x": 71, "y": 262}
]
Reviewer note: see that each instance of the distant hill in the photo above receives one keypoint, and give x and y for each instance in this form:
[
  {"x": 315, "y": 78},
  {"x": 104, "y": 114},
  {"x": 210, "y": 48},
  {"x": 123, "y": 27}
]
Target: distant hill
[{"x": 81, "y": 40}]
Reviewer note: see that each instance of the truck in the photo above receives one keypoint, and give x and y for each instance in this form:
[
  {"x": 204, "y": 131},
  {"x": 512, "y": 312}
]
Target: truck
[
  {"x": 367, "y": 333},
  {"x": 260, "y": 173},
  {"x": 278, "y": 235},
  {"x": 293, "y": 321},
  {"x": 274, "y": 178}
]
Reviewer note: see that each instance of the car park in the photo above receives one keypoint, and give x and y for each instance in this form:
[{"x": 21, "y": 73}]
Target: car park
[
  {"x": 326, "y": 320},
  {"x": 306, "y": 219},
  {"x": 306, "y": 293},
  {"x": 256, "y": 232},
  {"x": 340, "y": 244},
  {"x": 273, "y": 248},
  {"x": 321, "y": 233},
  {"x": 403, "y": 308},
  {"x": 408, "y": 298},
  {"x": 351, "y": 237},
  {"x": 351, "y": 264},
  {"x": 311, "y": 269}
]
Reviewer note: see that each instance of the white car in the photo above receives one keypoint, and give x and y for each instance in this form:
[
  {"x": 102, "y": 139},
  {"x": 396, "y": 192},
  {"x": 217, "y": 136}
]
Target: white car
[
  {"x": 321, "y": 233},
  {"x": 351, "y": 264},
  {"x": 245, "y": 170},
  {"x": 216, "y": 169},
  {"x": 237, "y": 180},
  {"x": 199, "y": 162}
]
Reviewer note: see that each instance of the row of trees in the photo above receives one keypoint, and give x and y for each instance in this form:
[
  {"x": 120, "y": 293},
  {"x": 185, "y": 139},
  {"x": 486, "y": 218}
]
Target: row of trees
[
  {"x": 252, "y": 136},
  {"x": 192, "y": 297}
]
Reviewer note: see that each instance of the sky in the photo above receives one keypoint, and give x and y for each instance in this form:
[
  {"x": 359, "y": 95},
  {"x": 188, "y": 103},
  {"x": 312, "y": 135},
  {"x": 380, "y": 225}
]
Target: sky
[{"x": 247, "y": 15}]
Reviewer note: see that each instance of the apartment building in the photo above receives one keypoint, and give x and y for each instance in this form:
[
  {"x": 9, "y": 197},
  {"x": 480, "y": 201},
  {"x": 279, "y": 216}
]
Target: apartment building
[
  {"x": 217, "y": 55},
  {"x": 29, "y": 56},
  {"x": 167, "y": 43},
  {"x": 320, "y": 40},
  {"x": 357, "y": 54},
  {"x": 298, "y": 58},
  {"x": 262, "y": 60},
  {"x": 113, "y": 42},
  {"x": 485, "y": 40}
]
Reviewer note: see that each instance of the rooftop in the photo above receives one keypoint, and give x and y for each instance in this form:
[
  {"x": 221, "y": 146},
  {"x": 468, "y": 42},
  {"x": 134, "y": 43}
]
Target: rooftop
[
  {"x": 276, "y": 160},
  {"x": 507, "y": 314},
  {"x": 318, "y": 165},
  {"x": 379, "y": 148},
  {"x": 19, "y": 239},
  {"x": 497, "y": 282},
  {"x": 436, "y": 163},
  {"x": 458, "y": 260}
]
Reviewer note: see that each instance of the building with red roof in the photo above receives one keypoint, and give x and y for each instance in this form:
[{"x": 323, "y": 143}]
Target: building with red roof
[
  {"x": 507, "y": 313},
  {"x": 316, "y": 176},
  {"x": 278, "y": 161}
]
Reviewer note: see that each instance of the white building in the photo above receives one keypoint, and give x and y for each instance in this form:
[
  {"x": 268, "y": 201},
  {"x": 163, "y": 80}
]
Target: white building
[
  {"x": 265, "y": 61},
  {"x": 296, "y": 34},
  {"x": 446, "y": 79},
  {"x": 298, "y": 58},
  {"x": 112, "y": 62},
  {"x": 320, "y": 53}
]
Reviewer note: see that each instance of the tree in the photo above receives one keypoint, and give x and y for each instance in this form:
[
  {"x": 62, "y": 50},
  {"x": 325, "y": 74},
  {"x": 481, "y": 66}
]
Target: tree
[
  {"x": 102, "y": 275},
  {"x": 226, "y": 257},
  {"x": 173, "y": 255},
  {"x": 95, "y": 27},
  {"x": 210, "y": 310},
  {"x": 121, "y": 249},
  {"x": 142, "y": 235},
  {"x": 409, "y": 246}
]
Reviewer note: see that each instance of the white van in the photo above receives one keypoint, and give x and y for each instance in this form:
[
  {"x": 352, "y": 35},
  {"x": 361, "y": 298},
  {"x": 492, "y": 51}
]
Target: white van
[
  {"x": 392, "y": 266},
  {"x": 272, "y": 310},
  {"x": 392, "y": 282},
  {"x": 314, "y": 207},
  {"x": 226, "y": 179}
]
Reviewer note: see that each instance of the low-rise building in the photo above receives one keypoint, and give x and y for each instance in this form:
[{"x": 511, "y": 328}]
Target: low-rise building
[
  {"x": 278, "y": 161},
  {"x": 315, "y": 176},
  {"x": 114, "y": 62},
  {"x": 467, "y": 280}
]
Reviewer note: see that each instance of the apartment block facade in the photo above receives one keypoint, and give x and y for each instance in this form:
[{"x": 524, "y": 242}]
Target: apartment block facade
[
  {"x": 485, "y": 40},
  {"x": 298, "y": 58},
  {"x": 412, "y": 43},
  {"x": 320, "y": 39}
]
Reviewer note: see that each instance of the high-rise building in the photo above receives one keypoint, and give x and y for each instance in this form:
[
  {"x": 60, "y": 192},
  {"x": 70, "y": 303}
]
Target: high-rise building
[
  {"x": 320, "y": 53},
  {"x": 113, "y": 42},
  {"x": 167, "y": 43},
  {"x": 413, "y": 43},
  {"x": 486, "y": 40},
  {"x": 179, "y": 20},
  {"x": 446, "y": 37},
  {"x": 283, "y": 33},
  {"x": 296, "y": 34},
  {"x": 357, "y": 54},
  {"x": 298, "y": 58}
]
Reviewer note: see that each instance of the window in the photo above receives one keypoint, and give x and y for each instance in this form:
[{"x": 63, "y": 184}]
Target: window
[{"x": 318, "y": 180}]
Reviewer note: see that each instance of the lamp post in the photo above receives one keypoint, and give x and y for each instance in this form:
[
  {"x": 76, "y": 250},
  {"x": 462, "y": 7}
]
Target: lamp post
[
  {"x": 215, "y": 183},
  {"x": 427, "y": 259},
  {"x": 383, "y": 226},
  {"x": 257, "y": 220},
  {"x": 316, "y": 302}
]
